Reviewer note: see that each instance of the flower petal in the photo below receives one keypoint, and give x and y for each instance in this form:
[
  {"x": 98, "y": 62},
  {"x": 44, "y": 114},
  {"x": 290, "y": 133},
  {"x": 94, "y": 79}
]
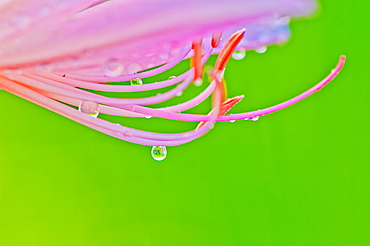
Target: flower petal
[{"x": 144, "y": 26}]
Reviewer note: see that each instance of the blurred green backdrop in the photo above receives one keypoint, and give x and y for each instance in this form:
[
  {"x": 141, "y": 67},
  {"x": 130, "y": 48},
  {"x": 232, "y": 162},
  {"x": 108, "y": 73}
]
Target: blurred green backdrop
[{"x": 297, "y": 177}]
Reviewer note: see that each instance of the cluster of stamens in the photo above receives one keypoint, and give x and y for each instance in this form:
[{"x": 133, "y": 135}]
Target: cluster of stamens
[{"x": 57, "y": 90}]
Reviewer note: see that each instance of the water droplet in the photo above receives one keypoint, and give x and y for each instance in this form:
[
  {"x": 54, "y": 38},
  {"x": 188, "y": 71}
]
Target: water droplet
[
  {"x": 179, "y": 94},
  {"x": 232, "y": 121},
  {"x": 148, "y": 116},
  {"x": 164, "y": 56},
  {"x": 113, "y": 68},
  {"x": 159, "y": 153},
  {"x": 284, "y": 20},
  {"x": 45, "y": 67},
  {"x": 239, "y": 55},
  {"x": 172, "y": 77},
  {"x": 255, "y": 118},
  {"x": 136, "y": 81},
  {"x": 90, "y": 108},
  {"x": 133, "y": 68},
  {"x": 261, "y": 49},
  {"x": 198, "y": 82}
]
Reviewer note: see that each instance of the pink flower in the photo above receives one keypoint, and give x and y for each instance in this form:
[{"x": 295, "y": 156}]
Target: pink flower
[{"x": 52, "y": 50}]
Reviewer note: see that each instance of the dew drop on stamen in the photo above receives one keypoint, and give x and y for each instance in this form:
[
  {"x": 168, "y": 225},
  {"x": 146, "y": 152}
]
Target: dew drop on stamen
[
  {"x": 238, "y": 55},
  {"x": 90, "y": 108},
  {"x": 198, "y": 82},
  {"x": 159, "y": 153},
  {"x": 255, "y": 118},
  {"x": 261, "y": 49},
  {"x": 136, "y": 81},
  {"x": 113, "y": 68}
]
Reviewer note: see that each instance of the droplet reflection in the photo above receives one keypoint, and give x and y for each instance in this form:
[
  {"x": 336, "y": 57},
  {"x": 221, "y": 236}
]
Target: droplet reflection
[
  {"x": 136, "y": 81},
  {"x": 90, "y": 108},
  {"x": 113, "y": 68},
  {"x": 261, "y": 49},
  {"x": 159, "y": 153},
  {"x": 238, "y": 55}
]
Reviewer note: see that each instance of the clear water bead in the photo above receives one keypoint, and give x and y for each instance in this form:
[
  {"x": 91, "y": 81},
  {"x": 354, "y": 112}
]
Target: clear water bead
[
  {"x": 232, "y": 121},
  {"x": 261, "y": 49},
  {"x": 90, "y": 108},
  {"x": 198, "y": 82},
  {"x": 238, "y": 55},
  {"x": 159, "y": 153},
  {"x": 113, "y": 68},
  {"x": 136, "y": 81},
  {"x": 255, "y": 118},
  {"x": 172, "y": 77}
]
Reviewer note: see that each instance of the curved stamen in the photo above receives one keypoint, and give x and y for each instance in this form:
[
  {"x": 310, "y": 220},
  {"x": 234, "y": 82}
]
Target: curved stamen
[
  {"x": 216, "y": 39},
  {"x": 128, "y": 134},
  {"x": 127, "y": 77},
  {"x": 66, "y": 90},
  {"x": 113, "y": 88},
  {"x": 222, "y": 60},
  {"x": 239, "y": 116}
]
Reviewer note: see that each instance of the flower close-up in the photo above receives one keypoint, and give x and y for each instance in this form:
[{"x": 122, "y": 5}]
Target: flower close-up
[
  {"x": 61, "y": 54},
  {"x": 184, "y": 123}
]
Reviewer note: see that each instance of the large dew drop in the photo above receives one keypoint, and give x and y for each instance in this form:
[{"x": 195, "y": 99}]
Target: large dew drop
[
  {"x": 159, "y": 153},
  {"x": 113, "y": 68},
  {"x": 90, "y": 108}
]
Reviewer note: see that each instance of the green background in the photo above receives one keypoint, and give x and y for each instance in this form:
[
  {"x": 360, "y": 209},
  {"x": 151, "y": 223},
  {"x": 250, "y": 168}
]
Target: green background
[{"x": 297, "y": 177}]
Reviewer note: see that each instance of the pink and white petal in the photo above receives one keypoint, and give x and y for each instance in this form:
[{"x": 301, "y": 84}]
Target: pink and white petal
[
  {"x": 138, "y": 27},
  {"x": 19, "y": 15}
]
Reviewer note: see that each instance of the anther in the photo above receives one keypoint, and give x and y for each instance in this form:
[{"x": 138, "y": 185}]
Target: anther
[
  {"x": 225, "y": 107},
  {"x": 196, "y": 61},
  {"x": 228, "y": 50},
  {"x": 221, "y": 62},
  {"x": 216, "y": 38}
]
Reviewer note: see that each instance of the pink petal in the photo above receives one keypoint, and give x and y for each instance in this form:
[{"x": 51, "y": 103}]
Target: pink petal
[{"x": 127, "y": 27}]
